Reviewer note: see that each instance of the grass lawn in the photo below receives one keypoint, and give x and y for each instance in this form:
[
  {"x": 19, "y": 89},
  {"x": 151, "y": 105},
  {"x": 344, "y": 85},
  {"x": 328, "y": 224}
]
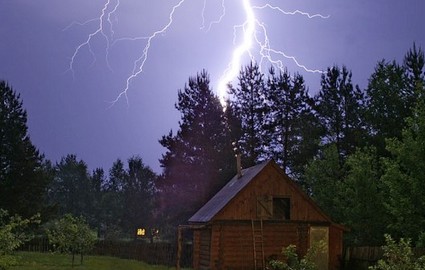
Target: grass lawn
[{"x": 48, "y": 261}]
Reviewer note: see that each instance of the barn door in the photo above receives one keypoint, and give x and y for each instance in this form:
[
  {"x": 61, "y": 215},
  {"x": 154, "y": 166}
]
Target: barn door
[
  {"x": 205, "y": 250},
  {"x": 319, "y": 238},
  {"x": 264, "y": 207}
]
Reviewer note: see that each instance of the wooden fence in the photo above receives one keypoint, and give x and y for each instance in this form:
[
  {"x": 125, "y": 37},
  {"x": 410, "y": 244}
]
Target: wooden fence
[
  {"x": 158, "y": 253},
  {"x": 363, "y": 257}
]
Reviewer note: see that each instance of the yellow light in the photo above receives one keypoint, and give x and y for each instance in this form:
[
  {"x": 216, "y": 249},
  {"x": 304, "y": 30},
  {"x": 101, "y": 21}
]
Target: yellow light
[{"x": 141, "y": 232}]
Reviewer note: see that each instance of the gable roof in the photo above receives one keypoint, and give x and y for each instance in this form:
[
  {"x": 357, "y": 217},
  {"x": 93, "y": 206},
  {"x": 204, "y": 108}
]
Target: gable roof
[
  {"x": 228, "y": 192},
  {"x": 207, "y": 212}
]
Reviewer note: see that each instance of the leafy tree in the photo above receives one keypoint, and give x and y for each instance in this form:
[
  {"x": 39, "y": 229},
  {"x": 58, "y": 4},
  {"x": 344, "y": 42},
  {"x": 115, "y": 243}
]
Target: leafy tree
[
  {"x": 392, "y": 93},
  {"x": 339, "y": 106},
  {"x": 71, "y": 235},
  {"x": 97, "y": 181},
  {"x": 324, "y": 177},
  {"x": 398, "y": 256},
  {"x": 248, "y": 105},
  {"x": 117, "y": 177},
  {"x": 196, "y": 163},
  {"x": 363, "y": 203},
  {"x": 70, "y": 189},
  {"x": 138, "y": 192},
  {"x": 112, "y": 202},
  {"x": 13, "y": 233},
  {"x": 403, "y": 177},
  {"x": 22, "y": 177},
  {"x": 288, "y": 112}
]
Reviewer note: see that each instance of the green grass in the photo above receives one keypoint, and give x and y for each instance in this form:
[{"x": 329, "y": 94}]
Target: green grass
[{"x": 49, "y": 261}]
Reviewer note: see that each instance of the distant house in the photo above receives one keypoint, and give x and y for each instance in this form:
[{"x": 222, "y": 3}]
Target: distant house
[{"x": 254, "y": 216}]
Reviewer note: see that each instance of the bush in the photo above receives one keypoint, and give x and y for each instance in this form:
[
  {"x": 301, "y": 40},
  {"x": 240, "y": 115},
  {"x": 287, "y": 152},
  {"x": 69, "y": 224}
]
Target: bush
[
  {"x": 398, "y": 256},
  {"x": 292, "y": 262},
  {"x": 13, "y": 233}
]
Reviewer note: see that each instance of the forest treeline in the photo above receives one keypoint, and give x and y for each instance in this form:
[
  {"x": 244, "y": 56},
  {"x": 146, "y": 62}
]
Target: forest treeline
[{"x": 359, "y": 153}]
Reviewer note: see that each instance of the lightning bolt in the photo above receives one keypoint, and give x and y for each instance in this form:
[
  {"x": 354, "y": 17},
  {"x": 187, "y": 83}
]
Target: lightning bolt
[
  {"x": 252, "y": 29},
  {"x": 233, "y": 68},
  {"x": 104, "y": 16},
  {"x": 139, "y": 64},
  {"x": 254, "y": 36},
  {"x": 223, "y": 13}
]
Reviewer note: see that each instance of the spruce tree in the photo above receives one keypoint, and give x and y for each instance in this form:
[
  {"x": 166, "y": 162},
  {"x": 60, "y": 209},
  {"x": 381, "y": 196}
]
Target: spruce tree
[
  {"x": 22, "y": 178},
  {"x": 196, "y": 163}
]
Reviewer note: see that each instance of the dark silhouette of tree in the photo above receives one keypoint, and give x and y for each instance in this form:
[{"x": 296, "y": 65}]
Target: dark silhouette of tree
[
  {"x": 248, "y": 105},
  {"x": 388, "y": 103},
  {"x": 138, "y": 192},
  {"x": 289, "y": 115},
  {"x": 340, "y": 109},
  {"x": 70, "y": 189},
  {"x": 112, "y": 202},
  {"x": 22, "y": 176},
  {"x": 414, "y": 62},
  {"x": 392, "y": 93},
  {"x": 97, "y": 181},
  {"x": 196, "y": 163}
]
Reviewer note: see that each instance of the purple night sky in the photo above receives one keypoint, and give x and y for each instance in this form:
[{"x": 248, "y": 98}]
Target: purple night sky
[{"x": 70, "y": 113}]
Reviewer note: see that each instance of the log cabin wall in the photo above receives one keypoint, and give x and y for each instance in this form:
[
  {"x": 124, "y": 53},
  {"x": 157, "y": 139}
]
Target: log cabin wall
[
  {"x": 232, "y": 243},
  {"x": 272, "y": 183},
  {"x": 230, "y": 238}
]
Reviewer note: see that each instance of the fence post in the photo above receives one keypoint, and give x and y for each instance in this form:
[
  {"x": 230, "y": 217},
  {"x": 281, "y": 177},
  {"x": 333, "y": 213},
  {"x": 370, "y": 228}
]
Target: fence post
[{"x": 179, "y": 247}]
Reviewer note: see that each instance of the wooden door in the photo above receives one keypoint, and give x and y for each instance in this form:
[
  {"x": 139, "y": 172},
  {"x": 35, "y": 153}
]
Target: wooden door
[
  {"x": 205, "y": 250},
  {"x": 319, "y": 239}
]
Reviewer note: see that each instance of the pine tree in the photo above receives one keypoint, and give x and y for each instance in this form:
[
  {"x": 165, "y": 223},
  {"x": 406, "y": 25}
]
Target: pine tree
[
  {"x": 196, "y": 163},
  {"x": 340, "y": 109},
  {"x": 288, "y": 114},
  {"x": 387, "y": 96},
  {"x": 248, "y": 105},
  {"x": 414, "y": 62},
  {"x": 22, "y": 178}
]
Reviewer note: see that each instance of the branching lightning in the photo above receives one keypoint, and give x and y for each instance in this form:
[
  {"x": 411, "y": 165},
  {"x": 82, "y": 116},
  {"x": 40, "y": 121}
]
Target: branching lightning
[
  {"x": 254, "y": 41},
  {"x": 252, "y": 29},
  {"x": 99, "y": 30},
  {"x": 223, "y": 13}
]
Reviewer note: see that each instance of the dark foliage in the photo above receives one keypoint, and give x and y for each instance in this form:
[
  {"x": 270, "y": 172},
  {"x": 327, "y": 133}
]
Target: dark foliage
[{"x": 22, "y": 176}]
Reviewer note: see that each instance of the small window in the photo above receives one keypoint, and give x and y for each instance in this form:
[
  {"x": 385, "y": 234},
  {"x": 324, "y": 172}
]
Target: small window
[{"x": 281, "y": 208}]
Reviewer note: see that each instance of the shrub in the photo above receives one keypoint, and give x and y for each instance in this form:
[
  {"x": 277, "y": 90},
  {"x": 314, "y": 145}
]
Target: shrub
[
  {"x": 13, "y": 233},
  {"x": 292, "y": 262},
  {"x": 398, "y": 256}
]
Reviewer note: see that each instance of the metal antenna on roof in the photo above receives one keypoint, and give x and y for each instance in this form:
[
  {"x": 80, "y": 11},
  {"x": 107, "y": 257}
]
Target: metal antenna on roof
[{"x": 238, "y": 159}]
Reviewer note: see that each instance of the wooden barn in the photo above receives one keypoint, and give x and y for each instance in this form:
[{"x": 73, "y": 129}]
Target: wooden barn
[{"x": 249, "y": 221}]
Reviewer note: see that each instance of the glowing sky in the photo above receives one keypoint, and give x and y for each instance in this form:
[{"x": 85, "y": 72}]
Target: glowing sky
[{"x": 69, "y": 111}]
